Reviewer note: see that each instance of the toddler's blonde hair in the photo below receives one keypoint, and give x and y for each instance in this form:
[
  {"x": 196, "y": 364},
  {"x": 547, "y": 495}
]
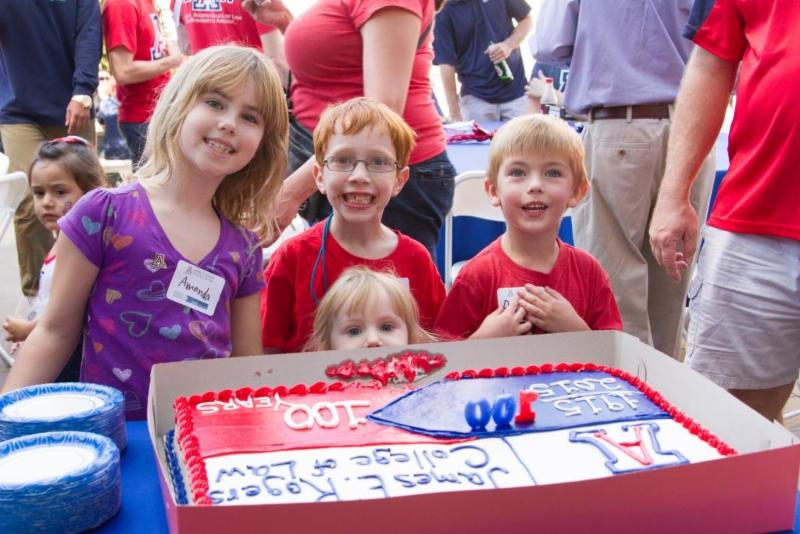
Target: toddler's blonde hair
[{"x": 351, "y": 293}]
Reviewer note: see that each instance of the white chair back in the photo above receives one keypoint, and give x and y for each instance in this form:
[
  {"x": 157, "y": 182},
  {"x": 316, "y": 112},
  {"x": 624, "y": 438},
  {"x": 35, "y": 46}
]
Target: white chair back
[
  {"x": 297, "y": 226},
  {"x": 469, "y": 198},
  {"x": 12, "y": 190}
]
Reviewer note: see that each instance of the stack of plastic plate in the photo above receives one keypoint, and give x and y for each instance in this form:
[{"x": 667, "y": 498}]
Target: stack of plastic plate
[
  {"x": 66, "y": 406},
  {"x": 58, "y": 482}
]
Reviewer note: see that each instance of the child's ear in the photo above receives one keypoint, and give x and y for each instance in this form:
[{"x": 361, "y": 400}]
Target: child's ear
[
  {"x": 491, "y": 192},
  {"x": 402, "y": 178},
  {"x": 319, "y": 177},
  {"x": 578, "y": 194}
]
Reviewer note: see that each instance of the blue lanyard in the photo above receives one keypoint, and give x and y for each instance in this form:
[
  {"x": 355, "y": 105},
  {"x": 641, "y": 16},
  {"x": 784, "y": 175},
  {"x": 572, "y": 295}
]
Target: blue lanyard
[{"x": 321, "y": 258}]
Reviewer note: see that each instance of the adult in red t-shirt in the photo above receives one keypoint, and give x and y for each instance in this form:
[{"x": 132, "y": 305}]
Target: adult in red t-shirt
[
  {"x": 744, "y": 301},
  {"x": 204, "y": 24},
  {"x": 140, "y": 62},
  {"x": 576, "y": 275},
  {"x": 290, "y": 290},
  {"x": 340, "y": 49}
]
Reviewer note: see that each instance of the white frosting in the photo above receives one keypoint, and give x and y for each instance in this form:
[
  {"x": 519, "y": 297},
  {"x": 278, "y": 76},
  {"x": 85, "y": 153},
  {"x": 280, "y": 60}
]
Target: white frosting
[
  {"x": 352, "y": 473},
  {"x": 52, "y": 406},
  {"x": 36, "y": 464}
]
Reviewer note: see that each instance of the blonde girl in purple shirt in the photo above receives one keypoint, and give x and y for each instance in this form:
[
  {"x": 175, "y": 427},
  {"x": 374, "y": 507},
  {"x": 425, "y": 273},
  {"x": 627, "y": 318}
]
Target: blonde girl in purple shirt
[{"x": 168, "y": 267}]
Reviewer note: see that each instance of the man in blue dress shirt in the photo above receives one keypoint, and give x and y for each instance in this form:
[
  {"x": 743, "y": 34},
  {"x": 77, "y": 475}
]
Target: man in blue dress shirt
[
  {"x": 626, "y": 60},
  {"x": 470, "y": 37}
]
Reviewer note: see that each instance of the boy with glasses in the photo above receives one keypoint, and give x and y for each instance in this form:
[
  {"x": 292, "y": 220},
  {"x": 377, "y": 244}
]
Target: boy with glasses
[{"x": 362, "y": 149}]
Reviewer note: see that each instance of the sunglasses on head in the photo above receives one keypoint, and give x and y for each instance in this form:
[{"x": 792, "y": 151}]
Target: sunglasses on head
[{"x": 71, "y": 139}]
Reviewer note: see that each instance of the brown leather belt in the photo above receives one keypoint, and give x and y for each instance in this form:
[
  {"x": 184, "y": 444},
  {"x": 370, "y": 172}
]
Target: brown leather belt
[{"x": 644, "y": 111}]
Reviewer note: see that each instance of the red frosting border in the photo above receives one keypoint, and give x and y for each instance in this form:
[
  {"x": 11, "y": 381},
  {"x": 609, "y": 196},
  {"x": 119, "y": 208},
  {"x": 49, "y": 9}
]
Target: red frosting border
[
  {"x": 655, "y": 397},
  {"x": 196, "y": 466},
  {"x": 184, "y": 423}
]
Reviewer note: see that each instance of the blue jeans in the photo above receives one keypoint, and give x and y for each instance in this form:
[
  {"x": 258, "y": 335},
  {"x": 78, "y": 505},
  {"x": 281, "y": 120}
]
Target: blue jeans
[
  {"x": 135, "y": 134},
  {"x": 420, "y": 208}
]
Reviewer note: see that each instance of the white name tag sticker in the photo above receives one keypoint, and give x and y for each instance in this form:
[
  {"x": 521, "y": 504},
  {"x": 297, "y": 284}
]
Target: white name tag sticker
[
  {"x": 195, "y": 288},
  {"x": 505, "y": 295}
]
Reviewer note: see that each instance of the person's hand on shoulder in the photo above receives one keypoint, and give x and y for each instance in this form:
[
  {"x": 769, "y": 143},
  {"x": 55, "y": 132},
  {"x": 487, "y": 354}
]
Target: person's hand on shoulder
[
  {"x": 547, "y": 309},
  {"x": 272, "y": 12},
  {"x": 504, "y": 323}
]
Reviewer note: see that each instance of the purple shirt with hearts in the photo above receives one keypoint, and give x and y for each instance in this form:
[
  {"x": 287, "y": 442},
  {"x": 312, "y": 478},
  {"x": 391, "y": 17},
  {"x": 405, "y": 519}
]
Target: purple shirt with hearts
[{"x": 130, "y": 323}]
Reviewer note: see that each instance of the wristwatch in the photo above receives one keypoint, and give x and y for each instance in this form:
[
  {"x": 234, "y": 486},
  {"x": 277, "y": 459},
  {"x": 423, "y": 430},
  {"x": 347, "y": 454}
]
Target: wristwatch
[{"x": 84, "y": 100}]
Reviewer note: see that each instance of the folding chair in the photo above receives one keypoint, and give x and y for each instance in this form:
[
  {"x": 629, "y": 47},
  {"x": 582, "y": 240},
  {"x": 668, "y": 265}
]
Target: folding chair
[
  {"x": 297, "y": 226},
  {"x": 12, "y": 190},
  {"x": 470, "y": 199}
]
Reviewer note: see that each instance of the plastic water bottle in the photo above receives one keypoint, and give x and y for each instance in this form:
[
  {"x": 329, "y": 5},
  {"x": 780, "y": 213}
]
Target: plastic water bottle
[
  {"x": 549, "y": 100},
  {"x": 503, "y": 70}
]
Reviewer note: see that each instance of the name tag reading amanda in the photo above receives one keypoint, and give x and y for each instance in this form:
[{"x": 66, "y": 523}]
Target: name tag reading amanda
[{"x": 195, "y": 287}]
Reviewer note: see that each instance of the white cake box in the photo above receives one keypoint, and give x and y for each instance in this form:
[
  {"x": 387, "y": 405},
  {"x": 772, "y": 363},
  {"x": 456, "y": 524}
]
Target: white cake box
[{"x": 753, "y": 491}]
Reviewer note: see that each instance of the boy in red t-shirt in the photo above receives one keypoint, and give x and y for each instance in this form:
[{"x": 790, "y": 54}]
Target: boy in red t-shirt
[
  {"x": 529, "y": 281},
  {"x": 362, "y": 149}
]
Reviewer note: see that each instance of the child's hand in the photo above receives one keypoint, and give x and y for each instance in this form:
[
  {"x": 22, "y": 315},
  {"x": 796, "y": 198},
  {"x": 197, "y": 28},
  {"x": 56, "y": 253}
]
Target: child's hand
[
  {"x": 547, "y": 309},
  {"x": 17, "y": 329},
  {"x": 504, "y": 323}
]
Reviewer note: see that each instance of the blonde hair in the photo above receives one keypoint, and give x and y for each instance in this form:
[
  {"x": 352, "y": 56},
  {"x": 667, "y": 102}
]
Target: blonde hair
[
  {"x": 246, "y": 197},
  {"x": 351, "y": 293},
  {"x": 537, "y": 134},
  {"x": 356, "y": 114}
]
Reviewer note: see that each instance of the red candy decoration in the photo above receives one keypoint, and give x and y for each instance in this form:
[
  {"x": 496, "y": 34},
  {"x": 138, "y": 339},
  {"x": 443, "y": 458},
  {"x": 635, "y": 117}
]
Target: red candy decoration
[
  {"x": 408, "y": 365},
  {"x": 298, "y": 389},
  {"x": 318, "y": 387}
]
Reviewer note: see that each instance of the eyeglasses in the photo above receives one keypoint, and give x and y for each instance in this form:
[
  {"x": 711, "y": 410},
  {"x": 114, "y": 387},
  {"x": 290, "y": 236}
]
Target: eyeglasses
[
  {"x": 347, "y": 164},
  {"x": 104, "y": 78}
]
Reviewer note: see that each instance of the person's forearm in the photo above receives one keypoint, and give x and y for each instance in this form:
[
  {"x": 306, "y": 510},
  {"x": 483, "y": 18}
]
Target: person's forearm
[
  {"x": 521, "y": 31},
  {"x": 699, "y": 113},
  {"x": 300, "y": 184},
  {"x": 448, "y": 74},
  {"x": 141, "y": 71}
]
